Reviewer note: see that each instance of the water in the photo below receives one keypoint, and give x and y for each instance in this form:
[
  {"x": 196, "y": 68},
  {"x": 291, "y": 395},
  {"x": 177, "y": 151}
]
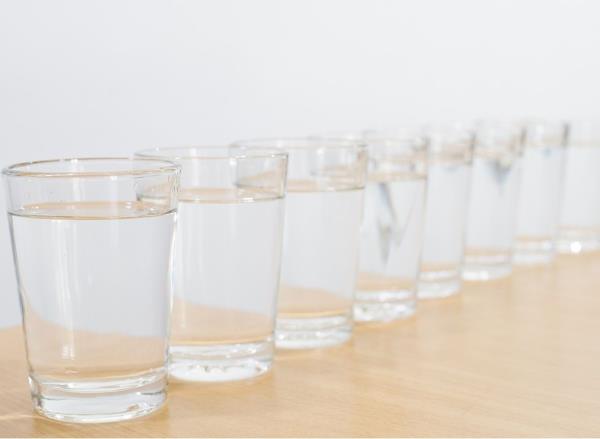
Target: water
[
  {"x": 320, "y": 258},
  {"x": 492, "y": 215},
  {"x": 391, "y": 241},
  {"x": 580, "y": 218},
  {"x": 227, "y": 253},
  {"x": 539, "y": 204},
  {"x": 445, "y": 218},
  {"x": 94, "y": 281}
]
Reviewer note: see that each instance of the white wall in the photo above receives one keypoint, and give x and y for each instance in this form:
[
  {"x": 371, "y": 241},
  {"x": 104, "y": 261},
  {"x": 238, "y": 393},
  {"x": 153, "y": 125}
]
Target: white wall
[{"x": 106, "y": 77}]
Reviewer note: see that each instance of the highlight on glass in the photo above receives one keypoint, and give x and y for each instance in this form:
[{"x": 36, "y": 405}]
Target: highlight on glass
[
  {"x": 226, "y": 261},
  {"x": 324, "y": 204},
  {"x": 92, "y": 242},
  {"x": 450, "y": 157},
  {"x": 579, "y": 229},
  {"x": 540, "y": 192},
  {"x": 493, "y": 201},
  {"x": 392, "y": 229}
]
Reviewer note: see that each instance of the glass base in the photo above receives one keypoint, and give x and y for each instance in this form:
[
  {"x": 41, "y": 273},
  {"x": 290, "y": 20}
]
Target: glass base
[
  {"x": 311, "y": 333},
  {"x": 534, "y": 252},
  {"x": 220, "y": 363},
  {"x": 533, "y": 257},
  {"x": 574, "y": 240},
  {"x": 439, "y": 284},
  {"x": 101, "y": 400},
  {"x": 384, "y": 306},
  {"x": 483, "y": 272},
  {"x": 574, "y": 247}
]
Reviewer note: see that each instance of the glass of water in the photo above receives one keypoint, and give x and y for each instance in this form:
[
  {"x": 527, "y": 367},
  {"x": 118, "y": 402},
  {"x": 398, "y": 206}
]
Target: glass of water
[
  {"x": 580, "y": 213},
  {"x": 392, "y": 229},
  {"x": 493, "y": 201},
  {"x": 540, "y": 192},
  {"x": 92, "y": 241},
  {"x": 227, "y": 261},
  {"x": 450, "y": 157},
  {"x": 324, "y": 203}
]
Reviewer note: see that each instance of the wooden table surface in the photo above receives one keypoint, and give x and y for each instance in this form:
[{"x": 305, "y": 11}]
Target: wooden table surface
[{"x": 519, "y": 356}]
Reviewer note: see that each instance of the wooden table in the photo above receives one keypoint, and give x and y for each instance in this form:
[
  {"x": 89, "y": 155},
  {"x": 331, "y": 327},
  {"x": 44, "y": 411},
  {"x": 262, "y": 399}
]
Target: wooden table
[{"x": 519, "y": 356}]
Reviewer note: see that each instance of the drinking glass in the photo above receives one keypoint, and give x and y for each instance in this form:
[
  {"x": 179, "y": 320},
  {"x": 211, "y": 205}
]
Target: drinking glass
[
  {"x": 92, "y": 241},
  {"x": 392, "y": 229},
  {"x": 540, "y": 192},
  {"x": 450, "y": 156},
  {"x": 580, "y": 213},
  {"x": 493, "y": 201},
  {"x": 325, "y": 187},
  {"x": 227, "y": 261}
]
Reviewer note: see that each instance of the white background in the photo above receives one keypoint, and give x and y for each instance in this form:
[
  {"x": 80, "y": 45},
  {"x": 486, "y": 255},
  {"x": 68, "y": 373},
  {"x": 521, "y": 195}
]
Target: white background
[{"x": 107, "y": 77}]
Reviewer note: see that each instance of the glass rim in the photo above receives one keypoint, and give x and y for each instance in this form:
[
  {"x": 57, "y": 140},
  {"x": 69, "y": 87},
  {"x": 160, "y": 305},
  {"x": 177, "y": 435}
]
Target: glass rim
[
  {"x": 498, "y": 133},
  {"x": 460, "y": 130},
  {"x": 412, "y": 143},
  {"x": 545, "y": 132},
  {"x": 169, "y": 153},
  {"x": 404, "y": 140},
  {"x": 357, "y": 135},
  {"x": 585, "y": 123},
  {"x": 584, "y": 132},
  {"x": 498, "y": 125},
  {"x": 533, "y": 122},
  {"x": 308, "y": 143},
  {"x": 162, "y": 167}
]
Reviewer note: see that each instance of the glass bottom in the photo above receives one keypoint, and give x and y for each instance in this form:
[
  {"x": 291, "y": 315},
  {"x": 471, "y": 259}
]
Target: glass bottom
[
  {"x": 573, "y": 240},
  {"x": 488, "y": 266},
  {"x": 481, "y": 272},
  {"x": 384, "y": 306},
  {"x": 99, "y": 401},
  {"x": 534, "y": 252},
  {"x": 220, "y": 362},
  {"x": 439, "y": 284},
  {"x": 313, "y": 332}
]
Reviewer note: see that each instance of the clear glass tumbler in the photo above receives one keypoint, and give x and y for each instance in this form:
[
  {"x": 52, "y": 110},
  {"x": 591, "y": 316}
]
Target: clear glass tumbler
[
  {"x": 92, "y": 242},
  {"x": 541, "y": 191},
  {"x": 580, "y": 212},
  {"x": 392, "y": 228},
  {"x": 325, "y": 188},
  {"x": 450, "y": 157},
  {"x": 227, "y": 261},
  {"x": 492, "y": 211}
]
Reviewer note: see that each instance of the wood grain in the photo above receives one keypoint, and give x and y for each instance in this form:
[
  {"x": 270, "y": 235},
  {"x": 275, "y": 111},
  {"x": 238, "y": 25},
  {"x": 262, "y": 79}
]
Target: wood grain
[{"x": 513, "y": 357}]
